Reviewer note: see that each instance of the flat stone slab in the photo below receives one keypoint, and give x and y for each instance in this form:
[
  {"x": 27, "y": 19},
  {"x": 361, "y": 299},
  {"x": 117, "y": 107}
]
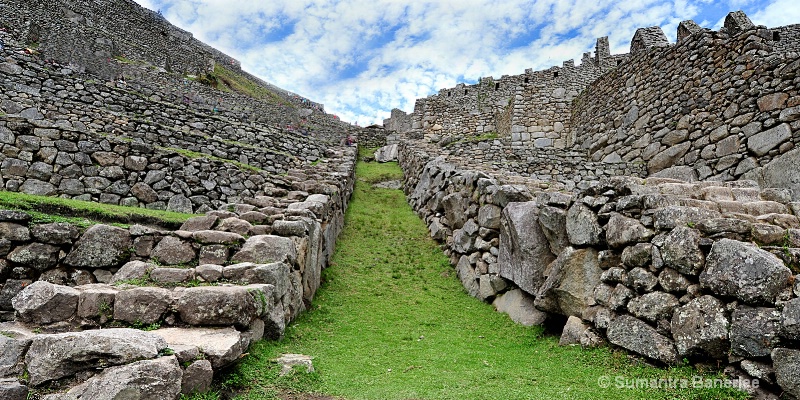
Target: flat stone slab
[{"x": 222, "y": 346}]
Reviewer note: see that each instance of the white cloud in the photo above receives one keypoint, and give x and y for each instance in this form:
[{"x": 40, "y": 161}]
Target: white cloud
[{"x": 361, "y": 58}]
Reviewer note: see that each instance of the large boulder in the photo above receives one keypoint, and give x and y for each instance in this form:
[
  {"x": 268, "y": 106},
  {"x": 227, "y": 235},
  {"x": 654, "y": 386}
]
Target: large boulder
[
  {"x": 12, "y": 352},
  {"x": 39, "y": 256},
  {"x": 524, "y": 250},
  {"x": 554, "y": 226},
  {"x": 790, "y": 319},
  {"x": 44, "y": 303},
  {"x": 570, "y": 284},
  {"x": 743, "y": 271},
  {"x": 632, "y": 334},
  {"x": 218, "y": 305},
  {"x": 101, "y": 246},
  {"x": 197, "y": 377},
  {"x": 56, "y": 356},
  {"x": 147, "y": 379},
  {"x": 700, "y": 328},
  {"x": 265, "y": 249}
]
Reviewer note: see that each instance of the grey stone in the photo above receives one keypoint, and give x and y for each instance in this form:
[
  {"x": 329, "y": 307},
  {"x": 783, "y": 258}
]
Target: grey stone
[
  {"x": 147, "y": 379},
  {"x": 760, "y": 144},
  {"x": 264, "y": 249},
  {"x": 56, "y": 233},
  {"x": 172, "y": 275},
  {"x": 744, "y": 271},
  {"x": 672, "y": 281},
  {"x": 638, "y": 255},
  {"x": 101, "y": 246},
  {"x": 754, "y": 331},
  {"x": 700, "y": 328},
  {"x": 790, "y": 319},
  {"x": 554, "y": 226},
  {"x": 221, "y": 346},
  {"x": 56, "y": 356},
  {"x": 133, "y": 270},
  {"x": 36, "y": 255},
  {"x": 469, "y": 279},
  {"x": 386, "y": 153},
  {"x": 172, "y": 251},
  {"x": 669, "y": 217},
  {"x": 582, "y": 226},
  {"x": 38, "y": 188},
  {"x": 621, "y": 231},
  {"x": 787, "y": 370},
  {"x": 217, "y": 305},
  {"x": 653, "y": 306},
  {"x": 14, "y": 232},
  {"x": 180, "y": 203},
  {"x": 524, "y": 253},
  {"x": 634, "y": 335},
  {"x": 573, "y": 330},
  {"x": 11, "y": 389},
  {"x": 681, "y": 250},
  {"x": 143, "y": 305},
  {"x": 12, "y": 352},
  {"x": 96, "y": 301},
  {"x": 44, "y": 303},
  {"x": 489, "y": 216},
  {"x": 641, "y": 279},
  {"x": 209, "y": 272},
  {"x": 202, "y": 223},
  {"x": 571, "y": 279},
  {"x": 519, "y": 307},
  {"x": 197, "y": 377}
]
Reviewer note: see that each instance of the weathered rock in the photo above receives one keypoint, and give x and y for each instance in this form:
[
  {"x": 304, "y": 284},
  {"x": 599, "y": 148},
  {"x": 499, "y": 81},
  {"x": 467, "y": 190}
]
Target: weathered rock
[
  {"x": 621, "y": 231},
  {"x": 56, "y": 233},
  {"x": 570, "y": 283},
  {"x": 60, "y": 355},
  {"x": 172, "y": 275},
  {"x": 289, "y": 361},
  {"x": 638, "y": 255},
  {"x": 265, "y": 249},
  {"x": 202, "y": 223},
  {"x": 582, "y": 226},
  {"x": 36, "y": 255},
  {"x": 96, "y": 301},
  {"x": 744, "y": 271},
  {"x": 386, "y": 153},
  {"x": 172, "y": 250},
  {"x": 489, "y": 216},
  {"x": 519, "y": 307},
  {"x": 12, "y": 352},
  {"x": 653, "y": 306},
  {"x": 680, "y": 250},
  {"x": 672, "y": 281},
  {"x": 641, "y": 279},
  {"x": 524, "y": 251},
  {"x": 221, "y": 346},
  {"x": 101, "y": 246},
  {"x": 554, "y": 226},
  {"x": 44, "y": 303},
  {"x": 754, "y": 331},
  {"x": 669, "y": 217},
  {"x": 787, "y": 370},
  {"x": 209, "y": 272},
  {"x": 469, "y": 279},
  {"x": 133, "y": 270},
  {"x": 573, "y": 331},
  {"x": 197, "y": 377},
  {"x": 143, "y": 305},
  {"x": 790, "y": 319},
  {"x": 634, "y": 335},
  {"x": 147, "y": 379},
  {"x": 700, "y": 328},
  {"x": 218, "y": 305},
  {"x": 11, "y": 389},
  {"x": 14, "y": 232}
]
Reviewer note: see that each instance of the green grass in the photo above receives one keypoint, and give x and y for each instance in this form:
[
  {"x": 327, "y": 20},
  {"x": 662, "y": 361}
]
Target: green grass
[
  {"x": 228, "y": 80},
  {"x": 392, "y": 321},
  {"x": 45, "y": 209}
]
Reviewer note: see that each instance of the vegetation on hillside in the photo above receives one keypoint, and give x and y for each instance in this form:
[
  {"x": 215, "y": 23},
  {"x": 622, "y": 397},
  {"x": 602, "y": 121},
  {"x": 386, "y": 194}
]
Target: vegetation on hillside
[{"x": 229, "y": 81}]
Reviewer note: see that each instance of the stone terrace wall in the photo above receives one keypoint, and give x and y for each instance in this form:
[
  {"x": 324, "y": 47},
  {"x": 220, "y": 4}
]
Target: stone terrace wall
[
  {"x": 662, "y": 268},
  {"x": 723, "y": 103},
  {"x": 530, "y": 108},
  {"x": 213, "y": 287}
]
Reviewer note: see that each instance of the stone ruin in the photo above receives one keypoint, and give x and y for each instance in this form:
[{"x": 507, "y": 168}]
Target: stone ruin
[
  {"x": 648, "y": 201},
  {"x": 569, "y": 214}
]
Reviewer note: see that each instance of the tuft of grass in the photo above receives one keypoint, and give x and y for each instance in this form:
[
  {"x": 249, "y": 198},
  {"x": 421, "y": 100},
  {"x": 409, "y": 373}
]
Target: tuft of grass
[
  {"x": 392, "y": 321},
  {"x": 46, "y": 209}
]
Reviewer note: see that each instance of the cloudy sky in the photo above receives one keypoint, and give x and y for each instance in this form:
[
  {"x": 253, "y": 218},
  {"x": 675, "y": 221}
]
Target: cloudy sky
[{"x": 361, "y": 58}]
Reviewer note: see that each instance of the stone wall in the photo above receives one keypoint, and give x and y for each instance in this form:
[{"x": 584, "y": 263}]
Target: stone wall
[
  {"x": 656, "y": 266},
  {"x": 206, "y": 290},
  {"x": 722, "y": 103}
]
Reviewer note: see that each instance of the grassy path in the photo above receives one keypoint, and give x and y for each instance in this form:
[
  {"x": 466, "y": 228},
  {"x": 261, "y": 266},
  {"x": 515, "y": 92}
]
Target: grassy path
[{"x": 391, "y": 321}]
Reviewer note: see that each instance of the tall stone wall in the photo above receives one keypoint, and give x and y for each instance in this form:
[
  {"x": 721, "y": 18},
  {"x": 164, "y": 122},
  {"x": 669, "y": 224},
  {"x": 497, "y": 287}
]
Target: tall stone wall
[{"x": 723, "y": 103}]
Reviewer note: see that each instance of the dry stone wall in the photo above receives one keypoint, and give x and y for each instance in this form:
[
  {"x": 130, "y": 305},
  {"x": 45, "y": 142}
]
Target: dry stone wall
[
  {"x": 663, "y": 268},
  {"x": 209, "y": 289},
  {"x": 722, "y": 103}
]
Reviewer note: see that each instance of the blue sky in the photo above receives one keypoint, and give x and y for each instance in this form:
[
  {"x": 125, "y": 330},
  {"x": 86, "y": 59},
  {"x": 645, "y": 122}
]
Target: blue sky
[{"x": 361, "y": 58}]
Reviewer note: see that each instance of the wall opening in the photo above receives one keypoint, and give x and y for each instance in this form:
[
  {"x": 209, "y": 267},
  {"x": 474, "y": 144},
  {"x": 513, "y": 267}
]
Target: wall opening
[
  {"x": 526, "y": 79},
  {"x": 497, "y": 86},
  {"x": 555, "y": 74},
  {"x": 449, "y": 94},
  {"x": 776, "y": 36},
  {"x": 619, "y": 62},
  {"x": 465, "y": 91}
]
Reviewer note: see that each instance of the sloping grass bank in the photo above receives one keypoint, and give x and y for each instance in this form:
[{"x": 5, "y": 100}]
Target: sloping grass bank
[{"x": 392, "y": 321}]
